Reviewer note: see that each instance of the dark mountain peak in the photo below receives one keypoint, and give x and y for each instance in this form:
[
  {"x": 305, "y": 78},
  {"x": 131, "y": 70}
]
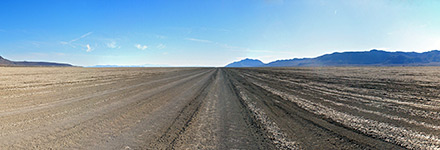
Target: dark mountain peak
[
  {"x": 246, "y": 63},
  {"x": 248, "y": 59},
  {"x": 4, "y": 62},
  {"x": 376, "y": 50}
]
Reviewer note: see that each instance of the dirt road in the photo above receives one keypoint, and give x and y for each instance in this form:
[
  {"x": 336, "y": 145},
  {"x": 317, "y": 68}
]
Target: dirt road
[{"x": 217, "y": 108}]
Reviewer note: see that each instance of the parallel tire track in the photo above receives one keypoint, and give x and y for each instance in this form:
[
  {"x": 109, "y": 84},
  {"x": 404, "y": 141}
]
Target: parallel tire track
[{"x": 219, "y": 108}]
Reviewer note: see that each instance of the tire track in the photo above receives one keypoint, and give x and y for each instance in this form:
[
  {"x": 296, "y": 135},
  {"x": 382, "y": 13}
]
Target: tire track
[{"x": 348, "y": 113}]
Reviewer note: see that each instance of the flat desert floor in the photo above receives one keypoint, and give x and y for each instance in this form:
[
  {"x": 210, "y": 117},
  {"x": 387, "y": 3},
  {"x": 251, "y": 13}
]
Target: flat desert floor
[{"x": 220, "y": 108}]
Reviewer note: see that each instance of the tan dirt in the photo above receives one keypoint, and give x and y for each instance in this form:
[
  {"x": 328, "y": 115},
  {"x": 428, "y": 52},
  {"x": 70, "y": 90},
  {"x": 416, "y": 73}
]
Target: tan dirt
[{"x": 219, "y": 108}]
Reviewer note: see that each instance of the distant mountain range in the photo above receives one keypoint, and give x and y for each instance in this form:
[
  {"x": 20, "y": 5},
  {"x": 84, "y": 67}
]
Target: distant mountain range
[
  {"x": 5, "y": 62},
  {"x": 365, "y": 58}
]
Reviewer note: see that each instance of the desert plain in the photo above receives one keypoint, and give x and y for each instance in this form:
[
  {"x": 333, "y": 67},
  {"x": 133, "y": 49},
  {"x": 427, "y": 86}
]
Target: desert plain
[{"x": 220, "y": 108}]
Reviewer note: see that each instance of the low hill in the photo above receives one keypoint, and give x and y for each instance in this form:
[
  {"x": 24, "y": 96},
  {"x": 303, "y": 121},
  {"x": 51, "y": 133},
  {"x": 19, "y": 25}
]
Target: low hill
[
  {"x": 246, "y": 63},
  {"x": 6, "y": 62}
]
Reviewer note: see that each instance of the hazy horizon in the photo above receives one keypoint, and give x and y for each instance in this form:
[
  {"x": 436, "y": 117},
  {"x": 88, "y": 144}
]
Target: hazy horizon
[{"x": 210, "y": 33}]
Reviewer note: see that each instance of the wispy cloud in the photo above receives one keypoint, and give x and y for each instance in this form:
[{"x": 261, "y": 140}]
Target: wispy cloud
[
  {"x": 76, "y": 39},
  {"x": 36, "y": 43},
  {"x": 89, "y": 49},
  {"x": 141, "y": 47},
  {"x": 112, "y": 45},
  {"x": 161, "y": 37},
  {"x": 161, "y": 46},
  {"x": 64, "y": 43},
  {"x": 199, "y": 40},
  {"x": 81, "y": 37}
]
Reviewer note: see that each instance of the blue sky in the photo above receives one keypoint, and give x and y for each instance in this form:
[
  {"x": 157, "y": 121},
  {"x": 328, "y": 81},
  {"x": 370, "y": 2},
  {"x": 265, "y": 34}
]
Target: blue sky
[{"x": 210, "y": 33}]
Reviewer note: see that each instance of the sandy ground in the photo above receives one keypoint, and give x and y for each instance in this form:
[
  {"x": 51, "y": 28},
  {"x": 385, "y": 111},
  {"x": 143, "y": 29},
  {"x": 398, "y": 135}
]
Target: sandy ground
[{"x": 216, "y": 108}]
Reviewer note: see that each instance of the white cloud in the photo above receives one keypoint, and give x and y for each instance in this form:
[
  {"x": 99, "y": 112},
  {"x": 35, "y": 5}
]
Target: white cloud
[
  {"x": 161, "y": 46},
  {"x": 198, "y": 40},
  {"x": 89, "y": 49},
  {"x": 112, "y": 45},
  {"x": 141, "y": 47}
]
